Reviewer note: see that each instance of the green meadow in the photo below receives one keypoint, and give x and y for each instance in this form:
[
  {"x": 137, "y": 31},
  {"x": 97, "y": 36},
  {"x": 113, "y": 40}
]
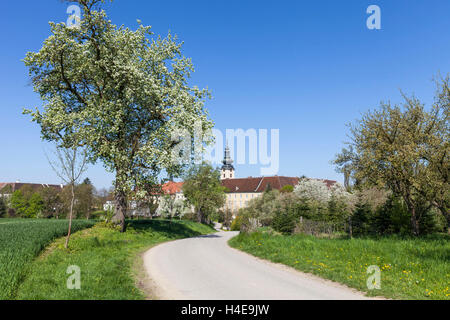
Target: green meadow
[{"x": 411, "y": 268}]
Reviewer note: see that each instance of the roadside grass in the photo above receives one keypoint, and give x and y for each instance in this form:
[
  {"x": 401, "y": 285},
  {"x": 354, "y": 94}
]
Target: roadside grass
[
  {"x": 21, "y": 240},
  {"x": 105, "y": 257},
  {"x": 410, "y": 268}
]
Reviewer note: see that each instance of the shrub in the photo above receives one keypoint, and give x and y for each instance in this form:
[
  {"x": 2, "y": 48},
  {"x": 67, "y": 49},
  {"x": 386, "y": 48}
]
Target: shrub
[
  {"x": 287, "y": 188},
  {"x": 3, "y": 207},
  {"x": 27, "y": 204},
  {"x": 236, "y": 224},
  {"x": 284, "y": 222},
  {"x": 98, "y": 214}
]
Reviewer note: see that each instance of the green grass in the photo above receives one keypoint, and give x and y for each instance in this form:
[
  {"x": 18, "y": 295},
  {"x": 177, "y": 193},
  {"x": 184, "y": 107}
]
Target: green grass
[
  {"x": 105, "y": 257},
  {"x": 21, "y": 240},
  {"x": 410, "y": 268}
]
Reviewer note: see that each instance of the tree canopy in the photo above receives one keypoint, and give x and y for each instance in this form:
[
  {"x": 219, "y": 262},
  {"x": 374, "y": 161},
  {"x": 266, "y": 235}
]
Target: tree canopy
[
  {"x": 404, "y": 148},
  {"x": 123, "y": 95},
  {"x": 203, "y": 189}
]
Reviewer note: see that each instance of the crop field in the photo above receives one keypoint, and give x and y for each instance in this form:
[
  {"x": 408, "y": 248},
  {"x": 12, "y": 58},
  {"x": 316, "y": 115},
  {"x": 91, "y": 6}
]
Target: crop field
[{"x": 21, "y": 241}]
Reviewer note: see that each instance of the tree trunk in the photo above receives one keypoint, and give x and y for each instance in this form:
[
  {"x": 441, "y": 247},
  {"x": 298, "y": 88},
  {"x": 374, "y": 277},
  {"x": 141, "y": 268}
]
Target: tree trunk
[
  {"x": 199, "y": 216},
  {"x": 70, "y": 217},
  {"x": 412, "y": 212},
  {"x": 120, "y": 209},
  {"x": 414, "y": 222}
]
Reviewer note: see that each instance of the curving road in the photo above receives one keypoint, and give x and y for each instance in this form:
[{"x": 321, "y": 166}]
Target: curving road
[{"x": 207, "y": 268}]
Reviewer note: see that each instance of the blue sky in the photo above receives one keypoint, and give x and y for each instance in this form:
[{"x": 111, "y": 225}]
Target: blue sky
[{"x": 306, "y": 68}]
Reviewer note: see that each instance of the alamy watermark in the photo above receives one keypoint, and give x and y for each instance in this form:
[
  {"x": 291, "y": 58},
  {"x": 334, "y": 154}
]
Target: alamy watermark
[
  {"x": 74, "y": 19},
  {"x": 374, "y": 280},
  {"x": 374, "y": 20},
  {"x": 74, "y": 280},
  {"x": 251, "y": 146}
]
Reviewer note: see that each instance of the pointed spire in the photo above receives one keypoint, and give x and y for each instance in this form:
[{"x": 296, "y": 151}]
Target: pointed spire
[{"x": 227, "y": 161}]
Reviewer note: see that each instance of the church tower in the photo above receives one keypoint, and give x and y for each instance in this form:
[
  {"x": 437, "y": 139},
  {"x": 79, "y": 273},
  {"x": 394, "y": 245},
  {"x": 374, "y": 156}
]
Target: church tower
[{"x": 227, "y": 171}]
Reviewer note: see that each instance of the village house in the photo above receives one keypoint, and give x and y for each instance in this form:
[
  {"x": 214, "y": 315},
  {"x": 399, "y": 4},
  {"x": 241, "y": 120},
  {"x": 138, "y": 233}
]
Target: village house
[{"x": 8, "y": 188}]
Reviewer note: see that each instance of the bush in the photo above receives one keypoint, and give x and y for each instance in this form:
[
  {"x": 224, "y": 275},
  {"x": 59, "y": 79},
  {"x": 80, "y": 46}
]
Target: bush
[
  {"x": 284, "y": 222},
  {"x": 3, "y": 207},
  {"x": 287, "y": 188},
  {"x": 321, "y": 228},
  {"x": 98, "y": 214},
  {"x": 432, "y": 221},
  {"x": 27, "y": 204},
  {"x": 236, "y": 224},
  {"x": 190, "y": 216},
  {"x": 390, "y": 218}
]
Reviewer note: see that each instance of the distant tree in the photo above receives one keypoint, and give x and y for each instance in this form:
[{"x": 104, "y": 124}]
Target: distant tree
[
  {"x": 262, "y": 209},
  {"x": 87, "y": 181},
  {"x": 52, "y": 202},
  {"x": 345, "y": 163},
  {"x": 35, "y": 206},
  {"x": 26, "y": 204},
  {"x": 225, "y": 217},
  {"x": 202, "y": 188},
  {"x": 3, "y": 207},
  {"x": 101, "y": 196},
  {"x": 18, "y": 202},
  {"x": 287, "y": 189},
  {"x": 84, "y": 194},
  {"x": 170, "y": 207},
  {"x": 313, "y": 189}
]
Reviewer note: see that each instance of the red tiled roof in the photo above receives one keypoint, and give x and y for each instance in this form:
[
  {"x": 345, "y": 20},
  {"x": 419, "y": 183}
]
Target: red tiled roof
[
  {"x": 258, "y": 184},
  {"x": 251, "y": 184},
  {"x": 172, "y": 187}
]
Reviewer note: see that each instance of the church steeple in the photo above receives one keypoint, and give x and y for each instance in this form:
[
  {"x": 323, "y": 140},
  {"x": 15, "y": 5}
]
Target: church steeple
[{"x": 227, "y": 171}]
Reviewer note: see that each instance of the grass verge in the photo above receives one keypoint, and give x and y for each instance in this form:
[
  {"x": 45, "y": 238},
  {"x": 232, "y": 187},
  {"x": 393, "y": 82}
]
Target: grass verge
[
  {"x": 410, "y": 268},
  {"x": 105, "y": 258}
]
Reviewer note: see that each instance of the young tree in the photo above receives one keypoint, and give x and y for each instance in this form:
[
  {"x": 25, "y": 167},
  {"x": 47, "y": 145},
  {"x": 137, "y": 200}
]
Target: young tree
[
  {"x": 70, "y": 164},
  {"x": 121, "y": 94},
  {"x": 202, "y": 189}
]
